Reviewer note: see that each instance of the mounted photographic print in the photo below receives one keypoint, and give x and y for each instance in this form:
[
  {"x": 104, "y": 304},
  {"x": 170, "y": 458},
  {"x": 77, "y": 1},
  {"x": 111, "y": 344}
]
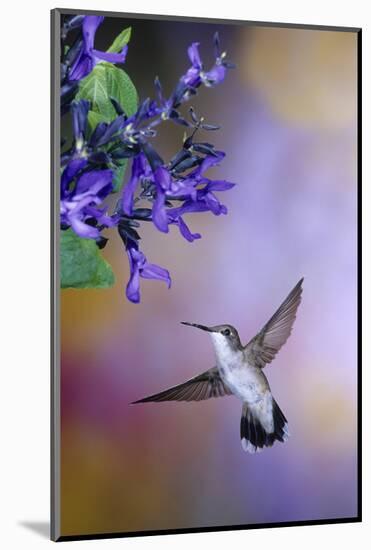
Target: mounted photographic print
[{"x": 205, "y": 280}]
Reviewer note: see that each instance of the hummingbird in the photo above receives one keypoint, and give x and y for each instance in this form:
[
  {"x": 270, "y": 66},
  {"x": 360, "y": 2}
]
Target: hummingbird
[{"x": 239, "y": 372}]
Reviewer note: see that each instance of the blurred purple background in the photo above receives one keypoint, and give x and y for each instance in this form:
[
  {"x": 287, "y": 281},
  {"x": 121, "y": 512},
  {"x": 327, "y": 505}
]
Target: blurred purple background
[{"x": 288, "y": 116}]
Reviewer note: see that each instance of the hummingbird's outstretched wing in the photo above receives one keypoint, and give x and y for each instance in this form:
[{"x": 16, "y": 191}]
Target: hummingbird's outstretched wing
[
  {"x": 264, "y": 346},
  {"x": 205, "y": 385}
]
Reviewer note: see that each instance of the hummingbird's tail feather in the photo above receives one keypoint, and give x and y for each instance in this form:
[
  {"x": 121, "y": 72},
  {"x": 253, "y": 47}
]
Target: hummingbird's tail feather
[{"x": 259, "y": 431}]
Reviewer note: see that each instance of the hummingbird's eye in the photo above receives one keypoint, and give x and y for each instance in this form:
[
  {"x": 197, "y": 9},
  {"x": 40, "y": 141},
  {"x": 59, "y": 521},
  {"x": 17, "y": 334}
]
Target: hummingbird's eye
[{"x": 226, "y": 332}]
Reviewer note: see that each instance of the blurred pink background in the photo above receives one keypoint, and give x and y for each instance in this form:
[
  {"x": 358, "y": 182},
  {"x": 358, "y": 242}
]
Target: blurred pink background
[{"x": 288, "y": 117}]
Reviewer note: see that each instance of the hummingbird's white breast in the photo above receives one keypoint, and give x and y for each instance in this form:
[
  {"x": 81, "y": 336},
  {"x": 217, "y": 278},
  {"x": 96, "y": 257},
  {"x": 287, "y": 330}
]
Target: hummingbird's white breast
[
  {"x": 225, "y": 354},
  {"x": 246, "y": 381}
]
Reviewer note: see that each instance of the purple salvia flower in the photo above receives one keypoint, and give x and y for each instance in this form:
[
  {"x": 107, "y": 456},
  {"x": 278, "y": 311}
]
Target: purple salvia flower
[
  {"x": 172, "y": 190},
  {"x": 162, "y": 180},
  {"x": 216, "y": 75},
  {"x": 196, "y": 75},
  {"x": 183, "y": 228},
  {"x": 219, "y": 185},
  {"x": 208, "y": 162},
  {"x": 192, "y": 77},
  {"x": 79, "y": 204},
  {"x": 80, "y": 111},
  {"x": 139, "y": 168},
  {"x": 75, "y": 216},
  {"x": 69, "y": 173},
  {"x": 196, "y": 198},
  {"x": 185, "y": 231},
  {"x": 140, "y": 267},
  {"x": 88, "y": 56},
  {"x": 95, "y": 182}
]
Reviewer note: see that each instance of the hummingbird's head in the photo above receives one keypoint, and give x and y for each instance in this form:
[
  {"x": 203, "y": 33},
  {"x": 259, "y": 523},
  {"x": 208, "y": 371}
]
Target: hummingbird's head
[{"x": 225, "y": 337}]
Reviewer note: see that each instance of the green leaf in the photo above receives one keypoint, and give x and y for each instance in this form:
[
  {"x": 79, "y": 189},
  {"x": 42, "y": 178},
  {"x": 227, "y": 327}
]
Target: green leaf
[
  {"x": 82, "y": 265},
  {"x": 120, "y": 41},
  {"x": 94, "y": 119},
  {"x": 118, "y": 177},
  {"x": 106, "y": 81}
]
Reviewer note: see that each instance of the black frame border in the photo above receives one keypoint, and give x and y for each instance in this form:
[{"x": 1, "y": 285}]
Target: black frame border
[{"x": 55, "y": 527}]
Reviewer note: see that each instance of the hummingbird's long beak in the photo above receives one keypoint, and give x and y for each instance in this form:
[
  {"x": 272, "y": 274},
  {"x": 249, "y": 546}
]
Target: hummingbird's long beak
[{"x": 202, "y": 327}]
